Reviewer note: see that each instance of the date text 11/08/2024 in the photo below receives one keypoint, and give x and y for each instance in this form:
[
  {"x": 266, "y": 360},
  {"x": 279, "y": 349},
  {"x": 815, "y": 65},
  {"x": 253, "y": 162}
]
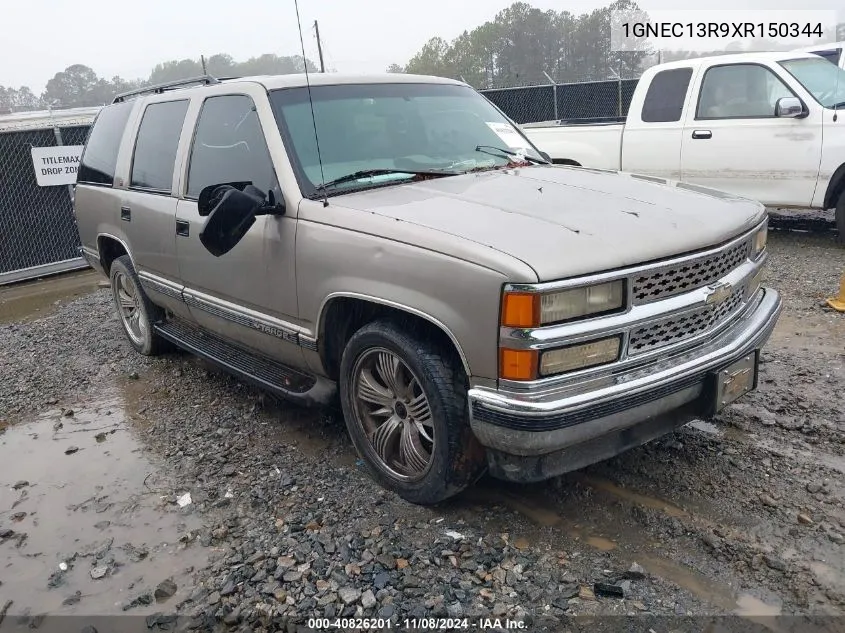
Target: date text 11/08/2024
[{"x": 420, "y": 624}]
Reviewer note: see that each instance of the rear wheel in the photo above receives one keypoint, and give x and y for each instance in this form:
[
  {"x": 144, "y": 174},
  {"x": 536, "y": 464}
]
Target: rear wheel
[
  {"x": 840, "y": 219},
  {"x": 404, "y": 401},
  {"x": 136, "y": 312}
]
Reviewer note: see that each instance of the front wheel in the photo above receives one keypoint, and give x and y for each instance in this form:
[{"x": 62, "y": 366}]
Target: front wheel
[
  {"x": 404, "y": 401},
  {"x": 840, "y": 219}
]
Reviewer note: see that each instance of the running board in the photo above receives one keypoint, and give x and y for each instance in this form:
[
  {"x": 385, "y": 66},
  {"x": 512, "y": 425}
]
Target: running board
[{"x": 249, "y": 365}]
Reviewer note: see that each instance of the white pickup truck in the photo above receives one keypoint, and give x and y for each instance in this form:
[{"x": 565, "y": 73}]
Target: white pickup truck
[{"x": 767, "y": 126}]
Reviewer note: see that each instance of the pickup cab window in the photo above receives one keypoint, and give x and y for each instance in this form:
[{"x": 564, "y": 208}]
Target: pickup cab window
[
  {"x": 820, "y": 78},
  {"x": 664, "y": 101},
  {"x": 740, "y": 91},
  {"x": 400, "y": 126}
]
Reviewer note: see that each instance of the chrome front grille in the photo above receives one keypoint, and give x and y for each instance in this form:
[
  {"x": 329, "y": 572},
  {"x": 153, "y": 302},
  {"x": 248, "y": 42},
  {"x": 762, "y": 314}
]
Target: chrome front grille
[
  {"x": 685, "y": 326},
  {"x": 668, "y": 281}
]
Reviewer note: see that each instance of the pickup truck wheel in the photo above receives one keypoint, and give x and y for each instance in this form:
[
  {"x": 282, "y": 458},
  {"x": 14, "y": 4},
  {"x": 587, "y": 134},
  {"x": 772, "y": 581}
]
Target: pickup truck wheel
[
  {"x": 137, "y": 313},
  {"x": 404, "y": 401},
  {"x": 840, "y": 219}
]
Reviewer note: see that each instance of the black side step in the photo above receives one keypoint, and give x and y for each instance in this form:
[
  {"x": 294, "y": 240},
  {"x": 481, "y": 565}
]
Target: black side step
[{"x": 248, "y": 364}]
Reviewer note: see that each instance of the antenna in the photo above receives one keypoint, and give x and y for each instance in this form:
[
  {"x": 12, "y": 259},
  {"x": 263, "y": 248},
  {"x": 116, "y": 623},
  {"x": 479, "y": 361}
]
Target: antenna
[
  {"x": 311, "y": 102},
  {"x": 202, "y": 59}
]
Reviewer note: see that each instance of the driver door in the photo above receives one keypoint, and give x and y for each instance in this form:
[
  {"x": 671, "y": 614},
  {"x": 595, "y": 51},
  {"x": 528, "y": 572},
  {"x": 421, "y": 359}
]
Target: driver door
[
  {"x": 734, "y": 140},
  {"x": 247, "y": 295}
]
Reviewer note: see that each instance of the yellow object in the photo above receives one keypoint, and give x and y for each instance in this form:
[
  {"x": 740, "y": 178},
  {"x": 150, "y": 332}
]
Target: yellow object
[
  {"x": 518, "y": 364},
  {"x": 838, "y": 302}
]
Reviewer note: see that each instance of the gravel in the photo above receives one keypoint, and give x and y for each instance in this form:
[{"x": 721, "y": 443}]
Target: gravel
[{"x": 295, "y": 528}]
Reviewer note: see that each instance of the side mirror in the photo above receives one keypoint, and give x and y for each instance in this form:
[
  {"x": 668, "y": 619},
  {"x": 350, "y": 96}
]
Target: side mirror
[
  {"x": 789, "y": 107},
  {"x": 231, "y": 212}
]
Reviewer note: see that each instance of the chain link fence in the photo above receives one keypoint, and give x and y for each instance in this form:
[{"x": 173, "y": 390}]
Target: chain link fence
[
  {"x": 583, "y": 100},
  {"x": 38, "y": 232}
]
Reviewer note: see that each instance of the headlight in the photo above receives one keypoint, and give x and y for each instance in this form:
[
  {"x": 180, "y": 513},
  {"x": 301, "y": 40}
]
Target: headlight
[
  {"x": 580, "y": 356},
  {"x": 526, "y": 310},
  {"x": 581, "y": 302},
  {"x": 760, "y": 238}
]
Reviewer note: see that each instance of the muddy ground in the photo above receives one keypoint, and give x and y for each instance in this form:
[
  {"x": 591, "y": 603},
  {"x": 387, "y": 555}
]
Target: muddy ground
[{"x": 99, "y": 448}]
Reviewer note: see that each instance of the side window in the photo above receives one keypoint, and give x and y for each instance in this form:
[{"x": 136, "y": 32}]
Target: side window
[
  {"x": 155, "y": 148},
  {"x": 740, "y": 91},
  {"x": 100, "y": 156},
  {"x": 832, "y": 55},
  {"x": 664, "y": 101},
  {"x": 229, "y": 146}
]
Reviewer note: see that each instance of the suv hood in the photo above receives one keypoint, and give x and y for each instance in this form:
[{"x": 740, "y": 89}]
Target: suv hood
[{"x": 567, "y": 221}]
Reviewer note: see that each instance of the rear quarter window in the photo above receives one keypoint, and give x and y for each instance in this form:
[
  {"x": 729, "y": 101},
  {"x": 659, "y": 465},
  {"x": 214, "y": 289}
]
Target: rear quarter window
[
  {"x": 664, "y": 101},
  {"x": 100, "y": 156}
]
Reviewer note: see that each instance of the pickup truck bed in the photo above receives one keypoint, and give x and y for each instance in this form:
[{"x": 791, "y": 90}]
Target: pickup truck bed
[{"x": 584, "y": 142}]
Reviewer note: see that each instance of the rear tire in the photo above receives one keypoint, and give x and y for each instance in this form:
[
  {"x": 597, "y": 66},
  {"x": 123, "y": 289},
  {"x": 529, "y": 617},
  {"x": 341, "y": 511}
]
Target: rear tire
[
  {"x": 405, "y": 405},
  {"x": 840, "y": 219},
  {"x": 136, "y": 312}
]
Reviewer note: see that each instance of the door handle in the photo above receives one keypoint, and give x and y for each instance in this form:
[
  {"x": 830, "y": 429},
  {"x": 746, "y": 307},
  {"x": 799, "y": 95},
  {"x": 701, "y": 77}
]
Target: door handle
[
  {"x": 126, "y": 214},
  {"x": 702, "y": 134},
  {"x": 183, "y": 228}
]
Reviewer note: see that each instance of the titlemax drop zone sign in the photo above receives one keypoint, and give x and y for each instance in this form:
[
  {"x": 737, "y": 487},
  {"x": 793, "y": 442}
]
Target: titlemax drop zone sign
[{"x": 56, "y": 165}]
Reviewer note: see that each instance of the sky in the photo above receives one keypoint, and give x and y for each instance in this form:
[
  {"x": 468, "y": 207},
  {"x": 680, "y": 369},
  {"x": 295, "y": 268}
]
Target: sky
[{"x": 41, "y": 37}]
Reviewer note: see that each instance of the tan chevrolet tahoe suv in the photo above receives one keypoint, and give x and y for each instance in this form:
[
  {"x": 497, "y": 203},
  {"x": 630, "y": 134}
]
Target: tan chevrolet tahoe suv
[{"x": 395, "y": 242}]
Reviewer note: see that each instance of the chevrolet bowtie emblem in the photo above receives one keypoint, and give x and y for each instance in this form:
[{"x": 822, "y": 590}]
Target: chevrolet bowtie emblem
[{"x": 717, "y": 293}]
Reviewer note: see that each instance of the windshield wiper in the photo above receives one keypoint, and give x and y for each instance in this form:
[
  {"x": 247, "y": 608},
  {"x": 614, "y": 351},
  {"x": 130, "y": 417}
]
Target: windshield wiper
[
  {"x": 492, "y": 149},
  {"x": 369, "y": 173},
  {"x": 837, "y": 106}
]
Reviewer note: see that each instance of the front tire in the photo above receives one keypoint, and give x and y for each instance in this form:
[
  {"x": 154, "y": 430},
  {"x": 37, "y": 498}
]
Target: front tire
[
  {"x": 840, "y": 219},
  {"x": 136, "y": 312},
  {"x": 405, "y": 406}
]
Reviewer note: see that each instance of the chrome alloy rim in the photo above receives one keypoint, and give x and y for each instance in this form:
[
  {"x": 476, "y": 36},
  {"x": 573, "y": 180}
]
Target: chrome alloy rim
[{"x": 393, "y": 411}]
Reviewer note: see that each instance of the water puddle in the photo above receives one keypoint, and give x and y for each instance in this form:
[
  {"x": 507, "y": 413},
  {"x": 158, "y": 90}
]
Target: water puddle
[
  {"x": 600, "y": 543},
  {"x": 84, "y": 529},
  {"x": 751, "y": 607},
  {"x": 706, "y": 427},
  {"x": 627, "y": 545},
  {"x": 35, "y": 299},
  {"x": 597, "y": 483}
]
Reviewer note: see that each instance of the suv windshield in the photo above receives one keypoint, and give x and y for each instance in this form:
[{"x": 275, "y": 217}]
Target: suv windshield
[
  {"x": 823, "y": 80},
  {"x": 396, "y": 129}
]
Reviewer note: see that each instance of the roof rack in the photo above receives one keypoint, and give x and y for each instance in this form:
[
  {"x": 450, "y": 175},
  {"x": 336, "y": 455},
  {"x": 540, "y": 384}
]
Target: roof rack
[{"x": 170, "y": 85}]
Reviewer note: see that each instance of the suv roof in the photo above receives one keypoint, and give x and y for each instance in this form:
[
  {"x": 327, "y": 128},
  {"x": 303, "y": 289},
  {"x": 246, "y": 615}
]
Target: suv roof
[{"x": 272, "y": 82}]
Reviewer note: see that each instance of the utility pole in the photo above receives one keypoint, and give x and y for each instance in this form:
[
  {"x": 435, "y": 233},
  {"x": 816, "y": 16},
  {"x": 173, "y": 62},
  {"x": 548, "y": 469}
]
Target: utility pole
[{"x": 319, "y": 47}]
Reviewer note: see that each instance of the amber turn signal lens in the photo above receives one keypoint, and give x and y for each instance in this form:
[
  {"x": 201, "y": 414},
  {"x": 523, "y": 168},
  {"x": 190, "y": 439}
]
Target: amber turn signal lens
[
  {"x": 520, "y": 309},
  {"x": 518, "y": 364}
]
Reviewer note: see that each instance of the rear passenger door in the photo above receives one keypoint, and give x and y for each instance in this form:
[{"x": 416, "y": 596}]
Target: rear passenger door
[
  {"x": 148, "y": 209},
  {"x": 247, "y": 295}
]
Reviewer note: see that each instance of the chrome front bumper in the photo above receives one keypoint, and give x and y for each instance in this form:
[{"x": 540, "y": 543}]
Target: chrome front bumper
[{"x": 529, "y": 424}]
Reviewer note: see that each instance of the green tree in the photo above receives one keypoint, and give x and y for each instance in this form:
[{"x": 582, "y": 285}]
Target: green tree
[
  {"x": 431, "y": 60},
  {"x": 20, "y": 100},
  {"x": 75, "y": 86},
  {"x": 175, "y": 70},
  {"x": 522, "y": 44}
]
